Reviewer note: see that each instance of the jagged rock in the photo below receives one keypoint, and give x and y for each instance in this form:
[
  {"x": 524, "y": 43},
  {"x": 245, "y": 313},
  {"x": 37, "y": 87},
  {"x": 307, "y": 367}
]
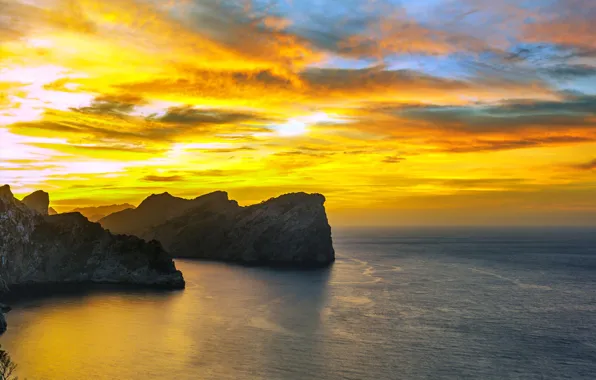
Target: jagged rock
[
  {"x": 67, "y": 248},
  {"x": 51, "y": 211},
  {"x": 96, "y": 213},
  {"x": 291, "y": 230},
  {"x": 39, "y": 201}
]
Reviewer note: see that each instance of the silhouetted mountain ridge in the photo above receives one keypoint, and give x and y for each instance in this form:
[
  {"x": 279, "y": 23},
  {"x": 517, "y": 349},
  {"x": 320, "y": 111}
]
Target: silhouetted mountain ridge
[
  {"x": 155, "y": 209},
  {"x": 97, "y": 212},
  {"x": 288, "y": 230}
]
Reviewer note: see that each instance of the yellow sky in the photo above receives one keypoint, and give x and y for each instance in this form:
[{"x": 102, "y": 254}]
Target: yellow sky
[{"x": 402, "y": 121}]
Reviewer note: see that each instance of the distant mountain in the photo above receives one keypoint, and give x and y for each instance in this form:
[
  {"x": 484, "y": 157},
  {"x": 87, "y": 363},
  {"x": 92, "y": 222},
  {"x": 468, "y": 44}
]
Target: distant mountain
[
  {"x": 96, "y": 213},
  {"x": 154, "y": 210},
  {"x": 51, "y": 211},
  {"x": 291, "y": 230},
  {"x": 38, "y": 201},
  {"x": 66, "y": 248}
]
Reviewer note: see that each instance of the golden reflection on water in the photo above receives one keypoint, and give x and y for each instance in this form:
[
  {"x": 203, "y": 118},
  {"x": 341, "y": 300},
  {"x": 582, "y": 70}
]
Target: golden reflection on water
[
  {"x": 226, "y": 322},
  {"x": 104, "y": 329}
]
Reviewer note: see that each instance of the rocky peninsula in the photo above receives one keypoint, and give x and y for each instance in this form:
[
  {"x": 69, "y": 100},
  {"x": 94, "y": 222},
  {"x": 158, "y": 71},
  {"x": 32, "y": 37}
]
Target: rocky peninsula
[{"x": 291, "y": 230}]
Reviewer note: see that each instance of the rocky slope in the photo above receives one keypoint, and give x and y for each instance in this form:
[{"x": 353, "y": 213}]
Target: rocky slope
[
  {"x": 66, "y": 248},
  {"x": 291, "y": 230}
]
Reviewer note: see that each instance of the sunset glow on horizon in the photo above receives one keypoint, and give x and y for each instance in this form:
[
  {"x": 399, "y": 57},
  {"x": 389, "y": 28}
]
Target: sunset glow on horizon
[{"x": 399, "y": 112}]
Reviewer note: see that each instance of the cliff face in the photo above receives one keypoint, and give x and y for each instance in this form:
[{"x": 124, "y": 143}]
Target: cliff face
[
  {"x": 291, "y": 230},
  {"x": 37, "y": 249}
]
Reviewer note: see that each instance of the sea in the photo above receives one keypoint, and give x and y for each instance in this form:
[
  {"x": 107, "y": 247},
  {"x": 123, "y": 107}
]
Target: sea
[{"x": 400, "y": 303}]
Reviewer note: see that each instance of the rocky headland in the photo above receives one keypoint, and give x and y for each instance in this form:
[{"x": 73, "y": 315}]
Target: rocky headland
[
  {"x": 37, "y": 248},
  {"x": 291, "y": 230}
]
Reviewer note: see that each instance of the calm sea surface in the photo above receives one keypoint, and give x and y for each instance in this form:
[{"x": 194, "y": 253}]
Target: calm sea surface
[{"x": 398, "y": 304}]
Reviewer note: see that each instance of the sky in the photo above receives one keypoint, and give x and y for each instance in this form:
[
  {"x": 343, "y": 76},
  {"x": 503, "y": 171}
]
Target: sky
[{"x": 420, "y": 112}]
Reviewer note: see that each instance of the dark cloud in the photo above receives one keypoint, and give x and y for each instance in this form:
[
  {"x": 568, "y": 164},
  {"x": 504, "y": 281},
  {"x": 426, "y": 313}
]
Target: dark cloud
[
  {"x": 513, "y": 114},
  {"x": 112, "y": 104},
  {"x": 477, "y": 182},
  {"x": 379, "y": 77},
  {"x": 538, "y": 53},
  {"x": 100, "y": 146},
  {"x": 70, "y": 125},
  {"x": 156, "y": 178},
  {"x": 191, "y": 115},
  {"x": 393, "y": 159},
  {"x": 214, "y": 173},
  {"x": 225, "y": 150},
  {"x": 520, "y": 143},
  {"x": 251, "y": 29},
  {"x": 305, "y": 151},
  {"x": 571, "y": 71},
  {"x": 106, "y": 120},
  {"x": 114, "y": 148},
  {"x": 544, "y": 53},
  {"x": 357, "y": 29},
  {"x": 591, "y": 165}
]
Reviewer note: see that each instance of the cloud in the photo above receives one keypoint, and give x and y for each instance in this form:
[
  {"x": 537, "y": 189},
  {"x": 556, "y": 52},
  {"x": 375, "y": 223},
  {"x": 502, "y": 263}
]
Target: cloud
[
  {"x": 191, "y": 115},
  {"x": 393, "y": 159},
  {"x": 157, "y": 178},
  {"x": 252, "y": 30},
  {"x": 545, "y": 53},
  {"x": 571, "y": 71},
  {"x": 410, "y": 86},
  {"x": 510, "y": 144},
  {"x": 591, "y": 165},
  {"x": 397, "y": 34},
  {"x": 381, "y": 30},
  {"x": 109, "y": 119},
  {"x": 566, "y": 22},
  {"x": 23, "y": 18},
  {"x": 571, "y": 111},
  {"x": 305, "y": 151},
  {"x": 112, "y": 104}
]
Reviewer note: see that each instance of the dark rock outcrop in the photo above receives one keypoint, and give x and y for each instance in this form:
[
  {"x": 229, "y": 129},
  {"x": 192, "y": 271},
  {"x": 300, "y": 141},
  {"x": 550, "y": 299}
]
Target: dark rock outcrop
[
  {"x": 67, "y": 248},
  {"x": 96, "y": 213},
  {"x": 291, "y": 230},
  {"x": 39, "y": 201}
]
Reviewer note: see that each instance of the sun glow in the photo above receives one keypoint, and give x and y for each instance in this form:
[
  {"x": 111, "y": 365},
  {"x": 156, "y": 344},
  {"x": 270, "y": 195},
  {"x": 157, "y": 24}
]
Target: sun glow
[{"x": 300, "y": 125}]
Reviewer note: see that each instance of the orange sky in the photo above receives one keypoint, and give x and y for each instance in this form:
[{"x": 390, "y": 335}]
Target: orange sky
[{"x": 400, "y": 112}]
